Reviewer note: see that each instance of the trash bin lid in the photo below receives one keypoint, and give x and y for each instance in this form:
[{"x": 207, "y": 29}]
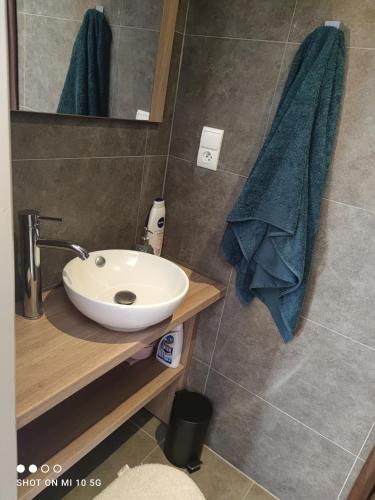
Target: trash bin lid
[{"x": 192, "y": 407}]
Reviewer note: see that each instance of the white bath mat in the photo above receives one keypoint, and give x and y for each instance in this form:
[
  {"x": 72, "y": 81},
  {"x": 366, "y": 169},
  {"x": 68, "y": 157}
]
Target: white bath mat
[{"x": 151, "y": 482}]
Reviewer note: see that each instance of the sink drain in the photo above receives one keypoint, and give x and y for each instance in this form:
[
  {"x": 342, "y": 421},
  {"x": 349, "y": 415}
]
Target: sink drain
[
  {"x": 125, "y": 297},
  {"x": 100, "y": 261}
]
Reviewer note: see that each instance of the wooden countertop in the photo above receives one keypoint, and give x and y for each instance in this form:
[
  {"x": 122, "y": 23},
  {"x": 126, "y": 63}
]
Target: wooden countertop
[{"x": 62, "y": 352}]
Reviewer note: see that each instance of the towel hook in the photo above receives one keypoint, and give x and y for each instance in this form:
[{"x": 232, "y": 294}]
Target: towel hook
[
  {"x": 100, "y": 8},
  {"x": 334, "y": 24}
]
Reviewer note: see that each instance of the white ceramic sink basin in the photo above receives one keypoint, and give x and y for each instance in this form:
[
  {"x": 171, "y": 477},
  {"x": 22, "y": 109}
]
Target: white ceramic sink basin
[{"x": 158, "y": 284}]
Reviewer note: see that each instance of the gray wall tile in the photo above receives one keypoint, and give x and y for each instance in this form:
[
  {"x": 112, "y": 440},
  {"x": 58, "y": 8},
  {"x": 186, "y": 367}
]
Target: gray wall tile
[
  {"x": 142, "y": 13},
  {"x": 21, "y": 58},
  {"x": 152, "y": 187},
  {"x": 136, "y": 60},
  {"x": 45, "y": 136},
  {"x": 208, "y": 326},
  {"x": 288, "y": 459},
  {"x": 197, "y": 376},
  {"x": 321, "y": 379},
  {"x": 233, "y": 82},
  {"x": 352, "y": 175},
  {"x": 73, "y": 9},
  {"x": 181, "y": 15},
  {"x": 97, "y": 198},
  {"x": 197, "y": 200},
  {"x": 219, "y": 481},
  {"x": 290, "y": 52},
  {"x": 341, "y": 292},
  {"x": 260, "y": 19},
  {"x": 47, "y": 58},
  {"x": 159, "y": 134},
  {"x": 113, "y": 70}
]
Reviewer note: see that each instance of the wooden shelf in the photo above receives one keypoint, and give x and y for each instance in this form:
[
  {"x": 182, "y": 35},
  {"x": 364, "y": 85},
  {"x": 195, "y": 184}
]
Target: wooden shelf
[
  {"x": 62, "y": 352},
  {"x": 71, "y": 429}
]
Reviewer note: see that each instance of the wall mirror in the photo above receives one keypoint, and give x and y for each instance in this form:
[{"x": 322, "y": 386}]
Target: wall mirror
[{"x": 107, "y": 58}]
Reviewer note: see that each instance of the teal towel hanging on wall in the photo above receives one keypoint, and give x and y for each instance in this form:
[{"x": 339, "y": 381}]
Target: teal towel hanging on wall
[
  {"x": 86, "y": 88},
  {"x": 272, "y": 226}
]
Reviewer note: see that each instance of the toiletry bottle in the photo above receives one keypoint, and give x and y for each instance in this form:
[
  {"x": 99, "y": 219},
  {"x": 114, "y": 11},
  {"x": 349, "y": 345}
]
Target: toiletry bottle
[
  {"x": 144, "y": 246},
  {"x": 156, "y": 224},
  {"x": 170, "y": 347}
]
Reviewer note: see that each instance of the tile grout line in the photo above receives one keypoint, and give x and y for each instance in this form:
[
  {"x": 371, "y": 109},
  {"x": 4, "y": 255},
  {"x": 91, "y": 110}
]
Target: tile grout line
[
  {"x": 201, "y": 362},
  {"x": 141, "y": 189},
  {"x": 366, "y": 439},
  {"x": 134, "y": 27},
  {"x": 45, "y": 16},
  {"x": 117, "y": 52},
  {"x": 265, "y": 489},
  {"x": 284, "y": 413},
  {"x": 348, "y": 205},
  {"x": 24, "y": 61},
  {"x": 66, "y": 19},
  {"x": 217, "y": 331},
  {"x": 347, "y": 477},
  {"x": 88, "y": 157},
  {"x": 250, "y": 487},
  {"x": 254, "y": 483},
  {"x": 356, "y": 460},
  {"x": 338, "y": 333},
  {"x": 143, "y": 431},
  {"x": 152, "y": 451},
  {"x": 261, "y": 40},
  {"x": 229, "y": 464},
  {"x": 219, "y": 171},
  {"x": 280, "y": 71},
  {"x": 217, "y": 37},
  {"x": 175, "y": 98}
]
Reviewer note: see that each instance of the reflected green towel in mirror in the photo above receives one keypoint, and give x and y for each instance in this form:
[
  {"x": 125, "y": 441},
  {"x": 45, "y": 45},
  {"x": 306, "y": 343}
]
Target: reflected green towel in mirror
[{"x": 86, "y": 88}]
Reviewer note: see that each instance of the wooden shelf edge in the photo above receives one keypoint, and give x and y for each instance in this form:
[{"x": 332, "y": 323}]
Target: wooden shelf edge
[
  {"x": 42, "y": 406},
  {"x": 82, "y": 445}
]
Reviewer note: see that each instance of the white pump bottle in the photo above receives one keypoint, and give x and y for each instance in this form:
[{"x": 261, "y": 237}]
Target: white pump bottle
[{"x": 156, "y": 224}]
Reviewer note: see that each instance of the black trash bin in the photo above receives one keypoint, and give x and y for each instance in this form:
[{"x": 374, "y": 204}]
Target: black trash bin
[{"x": 191, "y": 413}]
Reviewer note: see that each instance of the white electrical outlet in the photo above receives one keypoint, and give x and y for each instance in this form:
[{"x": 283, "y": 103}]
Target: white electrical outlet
[{"x": 209, "y": 148}]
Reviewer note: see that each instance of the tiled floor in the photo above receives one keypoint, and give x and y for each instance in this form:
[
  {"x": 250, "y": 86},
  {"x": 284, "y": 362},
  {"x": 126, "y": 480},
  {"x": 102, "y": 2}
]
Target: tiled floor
[{"x": 140, "y": 441}]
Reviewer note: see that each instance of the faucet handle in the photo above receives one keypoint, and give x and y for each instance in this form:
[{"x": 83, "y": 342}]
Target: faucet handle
[
  {"x": 56, "y": 219},
  {"x": 31, "y": 218}
]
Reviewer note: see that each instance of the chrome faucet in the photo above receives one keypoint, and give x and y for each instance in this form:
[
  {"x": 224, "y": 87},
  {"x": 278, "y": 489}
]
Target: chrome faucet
[{"x": 30, "y": 244}]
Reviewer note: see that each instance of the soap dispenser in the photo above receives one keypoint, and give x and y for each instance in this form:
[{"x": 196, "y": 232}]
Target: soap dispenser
[{"x": 144, "y": 246}]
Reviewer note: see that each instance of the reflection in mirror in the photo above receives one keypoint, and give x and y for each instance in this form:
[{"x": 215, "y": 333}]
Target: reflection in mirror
[{"x": 90, "y": 58}]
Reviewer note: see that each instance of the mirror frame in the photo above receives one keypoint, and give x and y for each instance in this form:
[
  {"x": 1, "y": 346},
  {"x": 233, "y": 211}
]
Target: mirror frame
[{"x": 163, "y": 61}]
